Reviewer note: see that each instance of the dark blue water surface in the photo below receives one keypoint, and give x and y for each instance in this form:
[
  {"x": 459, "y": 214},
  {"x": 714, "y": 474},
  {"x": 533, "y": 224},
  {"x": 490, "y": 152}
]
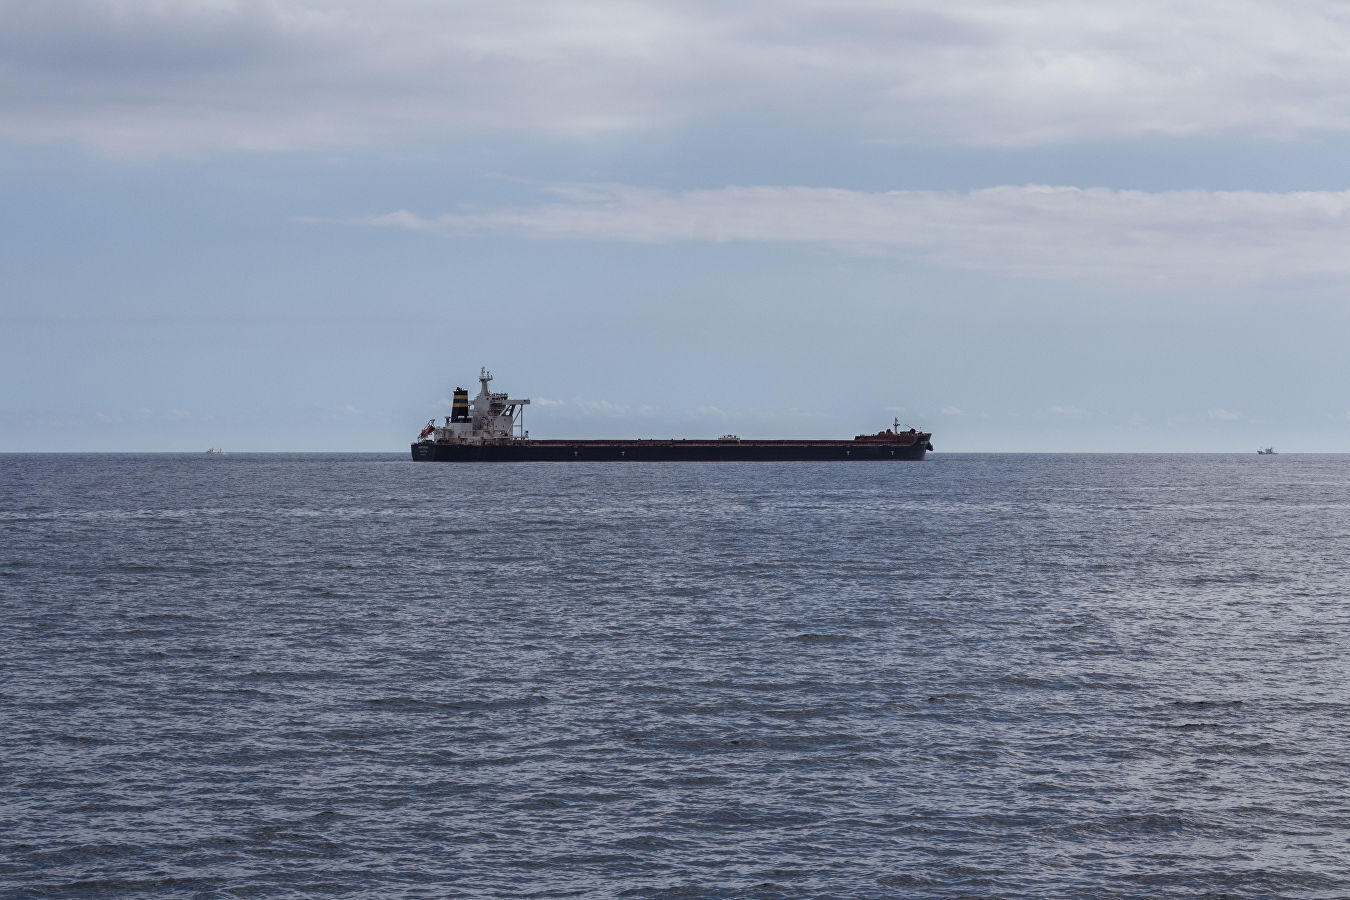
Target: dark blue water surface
[{"x": 1048, "y": 676}]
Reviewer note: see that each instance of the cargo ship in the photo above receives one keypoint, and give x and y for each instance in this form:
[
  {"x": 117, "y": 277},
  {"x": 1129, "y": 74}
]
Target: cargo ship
[{"x": 490, "y": 428}]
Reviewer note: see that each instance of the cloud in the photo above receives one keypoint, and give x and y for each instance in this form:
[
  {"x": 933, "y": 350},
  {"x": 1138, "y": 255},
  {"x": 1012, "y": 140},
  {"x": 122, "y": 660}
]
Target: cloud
[
  {"x": 1068, "y": 412},
  {"x": 1207, "y": 237},
  {"x": 952, "y": 411},
  {"x": 192, "y": 75},
  {"x": 600, "y": 408},
  {"x": 1223, "y": 415},
  {"x": 545, "y": 401}
]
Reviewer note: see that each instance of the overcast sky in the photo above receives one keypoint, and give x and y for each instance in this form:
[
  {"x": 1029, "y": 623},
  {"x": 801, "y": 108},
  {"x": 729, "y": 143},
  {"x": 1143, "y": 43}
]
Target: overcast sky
[{"x": 295, "y": 224}]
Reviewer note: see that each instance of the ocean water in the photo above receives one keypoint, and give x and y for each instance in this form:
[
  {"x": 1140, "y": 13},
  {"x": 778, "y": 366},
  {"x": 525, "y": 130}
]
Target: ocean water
[{"x": 978, "y": 676}]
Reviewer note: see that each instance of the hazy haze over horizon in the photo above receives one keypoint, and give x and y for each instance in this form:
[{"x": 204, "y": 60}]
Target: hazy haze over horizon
[{"x": 294, "y": 225}]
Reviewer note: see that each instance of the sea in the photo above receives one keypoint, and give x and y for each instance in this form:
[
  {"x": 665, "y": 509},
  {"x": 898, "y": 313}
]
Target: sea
[{"x": 976, "y": 676}]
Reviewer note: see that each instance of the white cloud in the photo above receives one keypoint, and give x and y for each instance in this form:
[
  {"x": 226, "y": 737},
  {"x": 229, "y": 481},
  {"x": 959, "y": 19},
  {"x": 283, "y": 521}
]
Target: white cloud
[
  {"x": 1068, "y": 412},
  {"x": 601, "y": 408},
  {"x": 1207, "y": 237},
  {"x": 1223, "y": 415},
  {"x": 545, "y": 401},
  {"x": 175, "y": 75},
  {"x": 952, "y": 411}
]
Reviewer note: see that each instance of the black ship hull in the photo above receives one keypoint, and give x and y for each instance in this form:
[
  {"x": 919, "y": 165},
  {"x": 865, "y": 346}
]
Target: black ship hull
[{"x": 673, "y": 451}]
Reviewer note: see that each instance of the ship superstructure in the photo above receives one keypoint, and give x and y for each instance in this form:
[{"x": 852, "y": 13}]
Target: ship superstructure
[
  {"x": 490, "y": 428},
  {"x": 490, "y": 418}
]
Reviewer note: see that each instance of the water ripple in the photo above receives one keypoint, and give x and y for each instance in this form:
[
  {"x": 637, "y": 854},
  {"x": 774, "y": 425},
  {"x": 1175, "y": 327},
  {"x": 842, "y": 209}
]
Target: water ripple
[{"x": 351, "y": 676}]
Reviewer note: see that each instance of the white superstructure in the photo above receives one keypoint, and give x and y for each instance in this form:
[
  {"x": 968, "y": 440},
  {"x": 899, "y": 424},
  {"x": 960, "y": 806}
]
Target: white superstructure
[{"x": 490, "y": 418}]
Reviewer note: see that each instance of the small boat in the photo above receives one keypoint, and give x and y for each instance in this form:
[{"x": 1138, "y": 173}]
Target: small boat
[
  {"x": 1268, "y": 451},
  {"x": 214, "y": 451}
]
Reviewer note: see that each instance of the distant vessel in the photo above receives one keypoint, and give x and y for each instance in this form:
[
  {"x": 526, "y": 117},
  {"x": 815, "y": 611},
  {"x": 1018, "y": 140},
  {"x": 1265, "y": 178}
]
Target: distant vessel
[
  {"x": 1269, "y": 451},
  {"x": 490, "y": 429},
  {"x": 214, "y": 450}
]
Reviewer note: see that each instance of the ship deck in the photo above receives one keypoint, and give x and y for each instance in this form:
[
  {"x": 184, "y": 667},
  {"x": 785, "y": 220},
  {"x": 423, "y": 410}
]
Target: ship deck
[{"x": 672, "y": 450}]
